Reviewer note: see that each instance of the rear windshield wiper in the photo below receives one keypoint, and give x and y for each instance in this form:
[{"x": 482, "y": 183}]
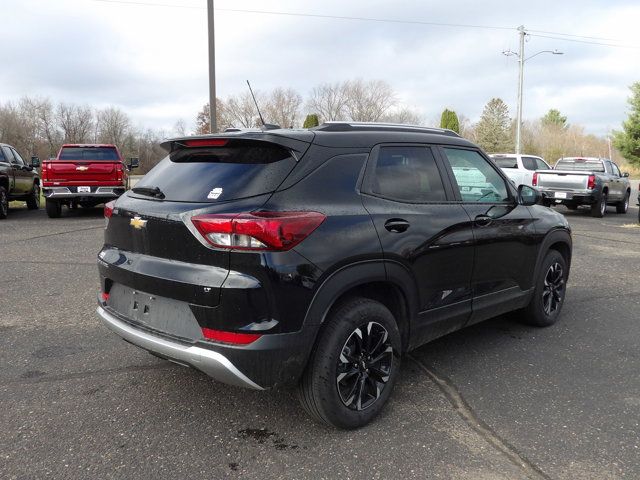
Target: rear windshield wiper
[{"x": 149, "y": 191}]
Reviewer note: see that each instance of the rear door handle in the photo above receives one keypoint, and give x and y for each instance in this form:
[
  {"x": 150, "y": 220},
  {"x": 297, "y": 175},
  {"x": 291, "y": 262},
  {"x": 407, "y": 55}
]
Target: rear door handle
[
  {"x": 396, "y": 225},
  {"x": 483, "y": 220}
]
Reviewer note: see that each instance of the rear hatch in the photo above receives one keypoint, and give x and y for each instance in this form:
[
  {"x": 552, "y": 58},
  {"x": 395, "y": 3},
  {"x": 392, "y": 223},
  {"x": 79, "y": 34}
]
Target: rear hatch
[
  {"x": 570, "y": 174},
  {"x": 86, "y": 165},
  {"x": 151, "y": 223}
]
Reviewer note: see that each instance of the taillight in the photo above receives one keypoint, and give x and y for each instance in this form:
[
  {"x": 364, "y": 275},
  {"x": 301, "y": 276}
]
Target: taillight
[
  {"x": 230, "y": 337},
  {"x": 119, "y": 172},
  {"x": 591, "y": 183},
  {"x": 108, "y": 212},
  {"x": 258, "y": 230},
  {"x": 104, "y": 297},
  {"x": 44, "y": 171},
  {"x": 534, "y": 181}
]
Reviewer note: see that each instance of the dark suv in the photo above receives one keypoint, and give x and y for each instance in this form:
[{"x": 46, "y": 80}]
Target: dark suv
[{"x": 318, "y": 257}]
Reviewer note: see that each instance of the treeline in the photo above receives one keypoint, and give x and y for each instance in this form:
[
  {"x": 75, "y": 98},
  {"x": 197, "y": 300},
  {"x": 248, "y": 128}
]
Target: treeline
[{"x": 37, "y": 126}]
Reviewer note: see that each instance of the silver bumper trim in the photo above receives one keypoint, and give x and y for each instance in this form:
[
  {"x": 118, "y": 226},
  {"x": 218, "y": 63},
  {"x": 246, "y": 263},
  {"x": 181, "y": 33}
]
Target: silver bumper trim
[
  {"x": 62, "y": 192},
  {"x": 212, "y": 363}
]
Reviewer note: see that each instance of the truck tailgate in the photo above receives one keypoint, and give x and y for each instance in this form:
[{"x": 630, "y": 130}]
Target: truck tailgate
[
  {"x": 565, "y": 180},
  {"x": 86, "y": 172}
]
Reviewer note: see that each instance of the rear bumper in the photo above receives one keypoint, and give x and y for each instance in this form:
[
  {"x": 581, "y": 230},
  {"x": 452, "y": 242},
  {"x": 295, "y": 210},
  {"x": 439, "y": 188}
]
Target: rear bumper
[
  {"x": 579, "y": 198},
  {"x": 72, "y": 192},
  {"x": 210, "y": 362}
]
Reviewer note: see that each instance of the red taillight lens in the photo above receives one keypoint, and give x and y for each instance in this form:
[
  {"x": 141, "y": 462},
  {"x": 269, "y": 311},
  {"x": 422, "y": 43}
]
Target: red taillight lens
[
  {"x": 119, "y": 172},
  {"x": 104, "y": 297},
  {"x": 259, "y": 230},
  {"x": 591, "y": 183},
  {"x": 205, "y": 142},
  {"x": 108, "y": 209},
  {"x": 44, "y": 171},
  {"x": 534, "y": 181},
  {"x": 230, "y": 337}
]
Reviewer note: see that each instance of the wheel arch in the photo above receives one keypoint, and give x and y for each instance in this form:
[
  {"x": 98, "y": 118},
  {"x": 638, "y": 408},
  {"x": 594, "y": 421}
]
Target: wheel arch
[{"x": 559, "y": 240}]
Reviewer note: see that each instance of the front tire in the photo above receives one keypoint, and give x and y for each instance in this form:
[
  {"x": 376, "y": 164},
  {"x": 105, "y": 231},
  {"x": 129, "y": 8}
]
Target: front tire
[
  {"x": 550, "y": 290},
  {"x": 4, "y": 203},
  {"x": 354, "y": 365},
  {"x": 33, "y": 202},
  {"x": 599, "y": 208},
  {"x": 53, "y": 208},
  {"x": 623, "y": 205}
]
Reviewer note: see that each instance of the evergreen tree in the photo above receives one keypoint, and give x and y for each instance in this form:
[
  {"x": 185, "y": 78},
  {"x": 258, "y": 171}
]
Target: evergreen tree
[
  {"x": 553, "y": 118},
  {"x": 449, "y": 120},
  {"x": 628, "y": 140},
  {"x": 311, "y": 121},
  {"x": 493, "y": 130}
]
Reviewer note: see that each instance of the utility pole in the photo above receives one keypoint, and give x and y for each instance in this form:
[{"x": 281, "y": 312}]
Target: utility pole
[
  {"x": 520, "y": 82},
  {"x": 213, "y": 127}
]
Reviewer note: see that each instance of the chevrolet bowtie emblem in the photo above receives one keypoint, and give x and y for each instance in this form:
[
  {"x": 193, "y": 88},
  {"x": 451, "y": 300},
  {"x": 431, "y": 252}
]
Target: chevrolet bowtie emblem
[
  {"x": 137, "y": 222},
  {"x": 82, "y": 169}
]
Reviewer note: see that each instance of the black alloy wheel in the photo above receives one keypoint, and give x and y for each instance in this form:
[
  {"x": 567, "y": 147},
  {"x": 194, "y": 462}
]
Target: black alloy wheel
[
  {"x": 623, "y": 205},
  {"x": 553, "y": 290},
  {"x": 33, "y": 202},
  {"x": 364, "y": 366}
]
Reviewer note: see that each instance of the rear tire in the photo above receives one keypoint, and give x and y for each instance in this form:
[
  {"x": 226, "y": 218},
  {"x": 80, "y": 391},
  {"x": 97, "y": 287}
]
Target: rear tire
[
  {"x": 550, "y": 291},
  {"x": 4, "y": 203},
  {"x": 33, "y": 202},
  {"x": 53, "y": 208},
  {"x": 354, "y": 365},
  {"x": 599, "y": 208},
  {"x": 623, "y": 205}
]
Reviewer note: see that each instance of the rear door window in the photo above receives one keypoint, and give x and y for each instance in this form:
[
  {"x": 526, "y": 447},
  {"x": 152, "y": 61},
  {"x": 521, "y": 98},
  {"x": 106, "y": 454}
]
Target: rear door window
[
  {"x": 476, "y": 179},
  {"x": 406, "y": 174},
  {"x": 239, "y": 169},
  {"x": 506, "y": 162}
]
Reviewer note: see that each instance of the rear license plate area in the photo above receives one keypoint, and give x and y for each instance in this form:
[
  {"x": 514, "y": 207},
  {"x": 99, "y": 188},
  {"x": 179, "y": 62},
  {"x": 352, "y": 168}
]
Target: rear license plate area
[{"x": 84, "y": 189}]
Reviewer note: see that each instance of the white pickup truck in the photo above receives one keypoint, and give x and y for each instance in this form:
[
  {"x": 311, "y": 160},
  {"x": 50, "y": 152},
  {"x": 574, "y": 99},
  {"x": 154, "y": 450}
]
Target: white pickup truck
[
  {"x": 519, "y": 168},
  {"x": 575, "y": 181}
]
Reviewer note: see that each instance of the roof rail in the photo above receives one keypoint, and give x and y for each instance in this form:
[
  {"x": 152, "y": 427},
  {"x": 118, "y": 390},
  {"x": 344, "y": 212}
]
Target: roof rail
[{"x": 335, "y": 126}]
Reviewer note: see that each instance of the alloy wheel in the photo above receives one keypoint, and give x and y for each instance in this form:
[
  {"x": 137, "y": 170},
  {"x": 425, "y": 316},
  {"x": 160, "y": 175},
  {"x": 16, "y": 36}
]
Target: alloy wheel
[
  {"x": 364, "y": 366},
  {"x": 553, "y": 290}
]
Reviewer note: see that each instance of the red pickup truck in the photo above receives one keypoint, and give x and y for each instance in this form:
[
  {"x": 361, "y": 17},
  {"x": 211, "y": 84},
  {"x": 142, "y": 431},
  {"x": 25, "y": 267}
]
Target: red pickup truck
[{"x": 85, "y": 175}]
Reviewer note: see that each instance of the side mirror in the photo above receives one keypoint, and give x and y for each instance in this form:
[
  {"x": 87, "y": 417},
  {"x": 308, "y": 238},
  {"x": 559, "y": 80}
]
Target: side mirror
[
  {"x": 528, "y": 196},
  {"x": 134, "y": 162},
  {"x": 625, "y": 174},
  {"x": 35, "y": 162}
]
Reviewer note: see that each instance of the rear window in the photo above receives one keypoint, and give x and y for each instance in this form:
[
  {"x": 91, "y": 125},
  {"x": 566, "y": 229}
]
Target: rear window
[
  {"x": 214, "y": 174},
  {"x": 506, "y": 162},
  {"x": 89, "y": 153},
  {"x": 580, "y": 164}
]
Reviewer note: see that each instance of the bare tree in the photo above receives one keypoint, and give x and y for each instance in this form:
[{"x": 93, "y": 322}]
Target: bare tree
[
  {"x": 76, "y": 122},
  {"x": 403, "y": 115},
  {"x": 113, "y": 125},
  {"x": 179, "y": 128},
  {"x": 368, "y": 101},
  {"x": 240, "y": 110},
  {"x": 283, "y": 107},
  {"x": 203, "y": 125},
  {"x": 329, "y": 101}
]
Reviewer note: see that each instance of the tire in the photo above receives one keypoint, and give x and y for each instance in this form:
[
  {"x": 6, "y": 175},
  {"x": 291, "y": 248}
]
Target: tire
[
  {"x": 54, "y": 208},
  {"x": 4, "y": 203},
  {"x": 623, "y": 205},
  {"x": 339, "y": 386},
  {"x": 33, "y": 202},
  {"x": 549, "y": 294},
  {"x": 599, "y": 208}
]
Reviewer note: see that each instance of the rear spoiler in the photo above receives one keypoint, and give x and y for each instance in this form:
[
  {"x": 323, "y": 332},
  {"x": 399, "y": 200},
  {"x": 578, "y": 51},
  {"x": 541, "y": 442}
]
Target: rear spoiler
[{"x": 296, "y": 140}]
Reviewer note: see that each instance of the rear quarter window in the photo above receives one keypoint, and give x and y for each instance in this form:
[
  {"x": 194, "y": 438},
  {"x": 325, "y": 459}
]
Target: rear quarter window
[{"x": 240, "y": 169}]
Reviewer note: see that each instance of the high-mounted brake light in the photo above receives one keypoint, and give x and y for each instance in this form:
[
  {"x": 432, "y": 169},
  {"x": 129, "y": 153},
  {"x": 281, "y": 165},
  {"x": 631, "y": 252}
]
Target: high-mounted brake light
[
  {"x": 278, "y": 231},
  {"x": 205, "y": 142},
  {"x": 591, "y": 183},
  {"x": 230, "y": 337},
  {"x": 534, "y": 181}
]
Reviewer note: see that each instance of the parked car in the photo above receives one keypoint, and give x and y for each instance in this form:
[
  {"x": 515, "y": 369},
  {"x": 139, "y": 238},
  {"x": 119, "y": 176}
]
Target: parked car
[
  {"x": 318, "y": 257},
  {"x": 575, "y": 181},
  {"x": 85, "y": 175},
  {"x": 520, "y": 168},
  {"x": 18, "y": 180}
]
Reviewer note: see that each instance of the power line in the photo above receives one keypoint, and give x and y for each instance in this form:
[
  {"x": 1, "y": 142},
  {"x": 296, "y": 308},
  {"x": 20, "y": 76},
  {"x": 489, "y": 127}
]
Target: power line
[{"x": 590, "y": 40}]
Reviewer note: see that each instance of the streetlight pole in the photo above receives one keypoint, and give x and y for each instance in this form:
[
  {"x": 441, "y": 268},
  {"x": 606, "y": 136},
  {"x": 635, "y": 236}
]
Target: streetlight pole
[
  {"x": 521, "y": 60},
  {"x": 522, "y": 33},
  {"x": 213, "y": 127}
]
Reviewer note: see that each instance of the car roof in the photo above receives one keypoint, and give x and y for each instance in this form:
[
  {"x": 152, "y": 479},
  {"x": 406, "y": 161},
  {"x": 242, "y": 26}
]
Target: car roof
[{"x": 89, "y": 145}]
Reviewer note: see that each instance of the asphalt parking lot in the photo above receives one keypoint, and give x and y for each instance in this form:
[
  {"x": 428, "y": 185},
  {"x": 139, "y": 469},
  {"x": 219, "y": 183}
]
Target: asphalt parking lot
[{"x": 495, "y": 401}]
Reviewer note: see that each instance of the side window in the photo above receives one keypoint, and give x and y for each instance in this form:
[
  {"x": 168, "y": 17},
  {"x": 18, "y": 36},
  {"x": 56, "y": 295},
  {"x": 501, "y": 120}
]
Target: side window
[
  {"x": 529, "y": 163},
  {"x": 2, "y": 159},
  {"x": 477, "y": 180},
  {"x": 616, "y": 170},
  {"x": 607, "y": 166},
  {"x": 8, "y": 155},
  {"x": 542, "y": 165},
  {"x": 18, "y": 158},
  {"x": 407, "y": 174}
]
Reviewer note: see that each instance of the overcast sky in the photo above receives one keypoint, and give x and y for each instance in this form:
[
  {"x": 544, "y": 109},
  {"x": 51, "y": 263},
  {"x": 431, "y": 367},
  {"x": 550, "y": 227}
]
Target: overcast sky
[{"x": 151, "y": 60}]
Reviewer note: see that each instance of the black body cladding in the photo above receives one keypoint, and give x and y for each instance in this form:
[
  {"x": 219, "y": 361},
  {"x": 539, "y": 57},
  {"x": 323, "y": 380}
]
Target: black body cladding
[{"x": 465, "y": 250}]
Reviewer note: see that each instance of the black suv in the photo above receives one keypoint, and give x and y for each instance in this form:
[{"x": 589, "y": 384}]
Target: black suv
[{"x": 318, "y": 257}]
